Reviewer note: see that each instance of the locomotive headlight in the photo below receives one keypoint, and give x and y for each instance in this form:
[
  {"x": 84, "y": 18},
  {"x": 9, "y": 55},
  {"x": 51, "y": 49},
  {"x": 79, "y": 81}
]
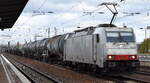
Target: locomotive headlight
[
  {"x": 110, "y": 57},
  {"x": 121, "y": 46},
  {"x": 133, "y": 57}
]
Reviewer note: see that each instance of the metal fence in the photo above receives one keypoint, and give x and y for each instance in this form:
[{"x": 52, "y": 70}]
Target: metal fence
[{"x": 144, "y": 57}]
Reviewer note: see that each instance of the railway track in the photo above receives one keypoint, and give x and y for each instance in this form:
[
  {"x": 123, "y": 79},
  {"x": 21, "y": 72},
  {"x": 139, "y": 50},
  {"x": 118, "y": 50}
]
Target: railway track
[
  {"x": 143, "y": 72},
  {"x": 33, "y": 74},
  {"x": 142, "y": 76},
  {"x": 118, "y": 78},
  {"x": 97, "y": 75},
  {"x": 61, "y": 74},
  {"x": 136, "y": 77},
  {"x": 13, "y": 75}
]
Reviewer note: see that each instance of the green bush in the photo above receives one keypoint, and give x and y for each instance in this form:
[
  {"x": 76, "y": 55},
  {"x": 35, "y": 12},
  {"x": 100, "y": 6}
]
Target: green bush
[{"x": 145, "y": 46}]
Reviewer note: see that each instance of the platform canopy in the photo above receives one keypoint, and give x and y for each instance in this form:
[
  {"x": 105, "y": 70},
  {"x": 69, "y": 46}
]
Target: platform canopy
[{"x": 10, "y": 10}]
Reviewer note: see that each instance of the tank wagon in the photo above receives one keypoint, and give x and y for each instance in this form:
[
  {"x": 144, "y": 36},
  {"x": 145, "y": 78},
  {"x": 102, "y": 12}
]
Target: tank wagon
[{"x": 103, "y": 46}]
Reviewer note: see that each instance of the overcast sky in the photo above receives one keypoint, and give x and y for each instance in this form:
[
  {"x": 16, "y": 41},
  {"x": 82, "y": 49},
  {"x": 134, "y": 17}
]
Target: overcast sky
[{"x": 68, "y": 14}]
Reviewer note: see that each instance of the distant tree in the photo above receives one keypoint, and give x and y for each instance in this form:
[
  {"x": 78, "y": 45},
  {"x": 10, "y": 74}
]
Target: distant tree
[{"x": 145, "y": 46}]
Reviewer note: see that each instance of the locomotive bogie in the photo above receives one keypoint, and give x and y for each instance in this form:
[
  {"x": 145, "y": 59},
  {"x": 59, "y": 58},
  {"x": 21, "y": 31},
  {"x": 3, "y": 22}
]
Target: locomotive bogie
[{"x": 122, "y": 65}]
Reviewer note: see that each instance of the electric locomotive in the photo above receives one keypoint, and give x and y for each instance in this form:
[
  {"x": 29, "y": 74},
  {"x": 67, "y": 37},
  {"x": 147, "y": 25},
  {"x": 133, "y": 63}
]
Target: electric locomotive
[{"x": 108, "y": 47}]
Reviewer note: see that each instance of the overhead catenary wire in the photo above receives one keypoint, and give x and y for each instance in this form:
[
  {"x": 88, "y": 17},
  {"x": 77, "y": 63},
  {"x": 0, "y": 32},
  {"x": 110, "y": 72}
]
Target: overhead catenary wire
[
  {"x": 87, "y": 13},
  {"x": 63, "y": 23},
  {"x": 68, "y": 21},
  {"x": 41, "y": 5},
  {"x": 33, "y": 12},
  {"x": 83, "y": 15},
  {"x": 44, "y": 3}
]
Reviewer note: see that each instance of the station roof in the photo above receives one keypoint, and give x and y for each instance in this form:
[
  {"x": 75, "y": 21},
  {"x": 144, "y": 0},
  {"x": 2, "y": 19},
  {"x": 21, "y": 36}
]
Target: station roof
[{"x": 10, "y": 10}]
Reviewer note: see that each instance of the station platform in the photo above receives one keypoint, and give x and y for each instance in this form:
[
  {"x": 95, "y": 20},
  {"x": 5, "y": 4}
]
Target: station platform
[
  {"x": 10, "y": 74},
  {"x": 3, "y": 75}
]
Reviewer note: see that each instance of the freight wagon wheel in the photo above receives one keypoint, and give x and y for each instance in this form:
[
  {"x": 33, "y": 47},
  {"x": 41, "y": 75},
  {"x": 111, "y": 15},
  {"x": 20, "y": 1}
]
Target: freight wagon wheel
[{"x": 44, "y": 56}]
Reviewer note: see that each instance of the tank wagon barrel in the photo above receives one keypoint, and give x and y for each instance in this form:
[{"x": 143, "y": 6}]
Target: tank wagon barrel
[{"x": 53, "y": 45}]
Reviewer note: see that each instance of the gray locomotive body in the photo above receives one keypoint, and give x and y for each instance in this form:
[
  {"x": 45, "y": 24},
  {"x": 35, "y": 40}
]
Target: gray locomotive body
[{"x": 109, "y": 47}]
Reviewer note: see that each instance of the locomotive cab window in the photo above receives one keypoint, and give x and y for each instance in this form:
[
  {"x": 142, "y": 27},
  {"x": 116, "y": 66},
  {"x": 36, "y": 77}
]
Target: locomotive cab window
[
  {"x": 127, "y": 37},
  {"x": 112, "y": 36},
  {"x": 116, "y": 36}
]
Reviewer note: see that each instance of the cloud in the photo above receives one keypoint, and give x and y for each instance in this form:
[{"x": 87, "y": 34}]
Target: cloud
[{"x": 68, "y": 14}]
